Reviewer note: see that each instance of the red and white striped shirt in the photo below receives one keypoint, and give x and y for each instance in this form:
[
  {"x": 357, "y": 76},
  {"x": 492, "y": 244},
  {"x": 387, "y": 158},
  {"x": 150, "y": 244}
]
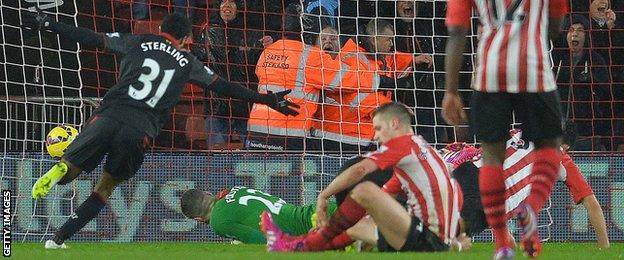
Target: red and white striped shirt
[
  {"x": 513, "y": 53},
  {"x": 517, "y": 169},
  {"x": 420, "y": 172}
]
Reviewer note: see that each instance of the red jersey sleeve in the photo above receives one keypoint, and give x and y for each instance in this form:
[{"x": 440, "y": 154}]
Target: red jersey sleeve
[
  {"x": 393, "y": 186},
  {"x": 578, "y": 186},
  {"x": 390, "y": 153},
  {"x": 558, "y": 8},
  {"x": 458, "y": 13}
]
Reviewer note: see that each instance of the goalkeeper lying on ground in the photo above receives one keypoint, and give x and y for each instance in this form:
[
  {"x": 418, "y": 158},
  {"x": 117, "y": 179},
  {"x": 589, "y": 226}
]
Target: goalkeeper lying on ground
[{"x": 235, "y": 213}]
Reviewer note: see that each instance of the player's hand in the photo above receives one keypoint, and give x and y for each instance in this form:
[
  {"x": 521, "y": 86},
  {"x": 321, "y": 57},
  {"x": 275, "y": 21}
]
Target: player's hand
[
  {"x": 453, "y": 109},
  {"x": 37, "y": 21},
  {"x": 279, "y": 103},
  {"x": 424, "y": 59},
  {"x": 321, "y": 212},
  {"x": 611, "y": 17},
  {"x": 461, "y": 243}
]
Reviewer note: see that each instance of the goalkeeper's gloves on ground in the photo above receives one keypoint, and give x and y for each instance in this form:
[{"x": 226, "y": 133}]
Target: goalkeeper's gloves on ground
[
  {"x": 279, "y": 103},
  {"x": 38, "y": 20}
]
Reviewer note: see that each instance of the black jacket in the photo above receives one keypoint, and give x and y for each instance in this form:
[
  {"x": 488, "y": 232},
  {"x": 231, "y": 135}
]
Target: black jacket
[
  {"x": 585, "y": 92},
  {"x": 232, "y": 52}
]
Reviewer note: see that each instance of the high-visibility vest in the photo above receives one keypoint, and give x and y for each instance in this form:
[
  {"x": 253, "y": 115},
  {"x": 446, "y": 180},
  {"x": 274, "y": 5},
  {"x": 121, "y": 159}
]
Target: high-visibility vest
[
  {"x": 347, "y": 117},
  {"x": 305, "y": 70},
  {"x": 398, "y": 63},
  {"x": 344, "y": 117}
]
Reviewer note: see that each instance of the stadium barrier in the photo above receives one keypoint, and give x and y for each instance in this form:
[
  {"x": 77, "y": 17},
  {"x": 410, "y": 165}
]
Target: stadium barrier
[{"x": 147, "y": 208}]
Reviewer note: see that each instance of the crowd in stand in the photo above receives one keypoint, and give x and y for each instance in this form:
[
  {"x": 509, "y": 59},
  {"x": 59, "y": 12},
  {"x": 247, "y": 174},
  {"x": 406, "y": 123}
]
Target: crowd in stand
[{"x": 356, "y": 55}]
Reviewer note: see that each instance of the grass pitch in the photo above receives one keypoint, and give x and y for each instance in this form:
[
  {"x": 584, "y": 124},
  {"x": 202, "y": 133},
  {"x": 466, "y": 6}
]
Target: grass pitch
[{"x": 196, "y": 250}]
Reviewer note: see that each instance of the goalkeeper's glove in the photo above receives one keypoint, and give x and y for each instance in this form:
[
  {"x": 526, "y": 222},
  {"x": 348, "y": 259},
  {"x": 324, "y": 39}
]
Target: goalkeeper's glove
[
  {"x": 279, "y": 103},
  {"x": 38, "y": 20}
]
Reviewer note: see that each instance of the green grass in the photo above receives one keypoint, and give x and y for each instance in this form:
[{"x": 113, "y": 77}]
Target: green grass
[{"x": 188, "y": 250}]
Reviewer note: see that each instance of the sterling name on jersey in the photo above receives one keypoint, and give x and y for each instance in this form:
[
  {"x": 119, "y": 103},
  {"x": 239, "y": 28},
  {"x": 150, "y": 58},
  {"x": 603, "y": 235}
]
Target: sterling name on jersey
[{"x": 153, "y": 73}]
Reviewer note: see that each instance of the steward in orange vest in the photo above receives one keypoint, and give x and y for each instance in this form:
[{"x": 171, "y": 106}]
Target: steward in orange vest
[
  {"x": 345, "y": 123},
  {"x": 290, "y": 64}
]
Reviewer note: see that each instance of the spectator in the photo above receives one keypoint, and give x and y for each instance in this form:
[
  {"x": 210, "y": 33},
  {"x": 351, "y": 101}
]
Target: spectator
[
  {"x": 414, "y": 34},
  {"x": 345, "y": 118},
  {"x": 233, "y": 53},
  {"x": 329, "y": 41},
  {"x": 345, "y": 126},
  {"x": 324, "y": 9},
  {"x": 607, "y": 37},
  {"x": 582, "y": 75},
  {"x": 279, "y": 68},
  {"x": 140, "y": 8}
]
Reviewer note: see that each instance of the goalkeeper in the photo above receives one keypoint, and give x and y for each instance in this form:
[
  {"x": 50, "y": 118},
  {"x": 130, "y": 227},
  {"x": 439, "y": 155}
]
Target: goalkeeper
[{"x": 235, "y": 213}]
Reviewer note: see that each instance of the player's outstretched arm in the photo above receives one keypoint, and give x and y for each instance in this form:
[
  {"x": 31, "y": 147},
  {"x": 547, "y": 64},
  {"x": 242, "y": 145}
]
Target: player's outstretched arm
[
  {"x": 205, "y": 77},
  {"x": 596, "y": 217},
  {"x": 42, "y": 21},
  {"x": 240, "y": 232}
]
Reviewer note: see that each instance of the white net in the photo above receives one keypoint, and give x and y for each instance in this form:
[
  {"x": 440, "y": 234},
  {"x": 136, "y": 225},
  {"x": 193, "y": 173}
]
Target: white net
[
  {"x": 46, "y": 82},
  {"x": 40, "y": 90}
]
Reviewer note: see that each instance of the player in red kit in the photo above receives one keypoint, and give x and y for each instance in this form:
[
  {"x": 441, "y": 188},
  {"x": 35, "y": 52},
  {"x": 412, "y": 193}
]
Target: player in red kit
[
  {"x": 431, "y": 220},
  {"x": 465, "y": 161},
  {"x": 513, "y": 78}
]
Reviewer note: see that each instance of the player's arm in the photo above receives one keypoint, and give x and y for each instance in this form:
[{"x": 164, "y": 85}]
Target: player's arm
[
  {"x": 458, "y": 24},
  {"x": 42, "y": 21},
  {"x": 205, "y": 77},
  {"x": 582, "y": 193},
  {"x": 557, "y": 11},
  {"x": 349, "y": 177},
  {"x": 240, "y": 232},
  {"x": 597, "y": 219}
]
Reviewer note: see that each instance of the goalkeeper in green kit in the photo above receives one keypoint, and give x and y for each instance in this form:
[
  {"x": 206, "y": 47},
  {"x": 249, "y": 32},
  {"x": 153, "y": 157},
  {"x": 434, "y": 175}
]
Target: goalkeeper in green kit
[{"x": 235, "y": 213}]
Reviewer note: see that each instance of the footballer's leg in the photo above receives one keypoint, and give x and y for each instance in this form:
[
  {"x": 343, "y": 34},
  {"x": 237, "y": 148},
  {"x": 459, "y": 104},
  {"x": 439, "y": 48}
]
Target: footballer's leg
[
  {"x": 365, "y": 231},
  {"x": 398, "y": 231},
  {"x": 87, "y": 211},
  {"x": 125, "y": 157},
  {"x": 84, "y": 153},
  {"x": 391, "y": 218},
  {"x": 540, "y": 115}
]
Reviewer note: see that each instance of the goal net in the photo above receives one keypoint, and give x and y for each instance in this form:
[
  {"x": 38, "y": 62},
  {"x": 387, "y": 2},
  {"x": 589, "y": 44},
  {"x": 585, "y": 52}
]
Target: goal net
[{"x": 47, "y": 81}]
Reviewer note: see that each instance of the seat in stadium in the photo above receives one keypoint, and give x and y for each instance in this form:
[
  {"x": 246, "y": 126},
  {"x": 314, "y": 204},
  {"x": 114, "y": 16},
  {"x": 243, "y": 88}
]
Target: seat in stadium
[{"x": 145, "y": 27}]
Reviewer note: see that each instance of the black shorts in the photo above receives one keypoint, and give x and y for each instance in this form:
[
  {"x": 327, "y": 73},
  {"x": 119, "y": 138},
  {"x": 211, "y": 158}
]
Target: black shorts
[
  {"x": 102, "y": 136},
  {"x": 539, "y": 115},
  {"x": 419, "y": 239},
  {"x": 467, "y": 175}
]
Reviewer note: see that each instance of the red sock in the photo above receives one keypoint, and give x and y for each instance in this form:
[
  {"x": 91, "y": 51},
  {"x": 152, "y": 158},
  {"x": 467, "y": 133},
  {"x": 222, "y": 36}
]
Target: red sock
[
  {"x": 339, "y": 242},
  {"x": 347, "y": 215},
  {"x": 492, "y": 187},
  {"x": 545, "y": 171}
]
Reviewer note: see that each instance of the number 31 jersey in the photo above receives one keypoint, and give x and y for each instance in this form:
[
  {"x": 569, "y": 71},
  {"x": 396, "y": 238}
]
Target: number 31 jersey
[{"x": 152, "y": 74}]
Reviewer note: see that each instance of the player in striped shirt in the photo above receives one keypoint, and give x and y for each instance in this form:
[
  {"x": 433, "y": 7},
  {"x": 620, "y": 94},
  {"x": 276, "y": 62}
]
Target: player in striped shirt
[
  {"x": 465, "y": 161},
  {"x": 431, "y": 220},
  {"x": 513, "y": 78}
]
